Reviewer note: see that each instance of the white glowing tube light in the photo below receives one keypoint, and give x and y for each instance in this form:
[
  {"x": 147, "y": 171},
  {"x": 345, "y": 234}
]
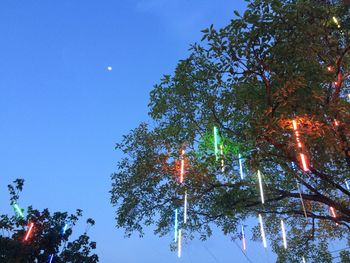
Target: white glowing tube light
[
  {"x": 262, "y": 231},
  {"x": 284, "y": 235},
  {"x": 261, "y": 188}
]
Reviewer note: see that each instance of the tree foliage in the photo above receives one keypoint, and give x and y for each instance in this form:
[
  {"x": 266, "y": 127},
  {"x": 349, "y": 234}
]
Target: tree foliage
[
  {"x": 279, "y": 61},
  {"x": 48, "y": 237}
]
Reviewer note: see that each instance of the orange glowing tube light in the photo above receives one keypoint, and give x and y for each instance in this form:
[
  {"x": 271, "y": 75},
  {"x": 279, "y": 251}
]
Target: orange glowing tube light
[
  {"x": 295, "y": 126},
  {"x": 333, "y": 213},
  {"x": 29, "y": 231},
  {"x": 302, "y": 156},
  {"x": 332, "y": 210},
  {"x": 303, "y": 161}
]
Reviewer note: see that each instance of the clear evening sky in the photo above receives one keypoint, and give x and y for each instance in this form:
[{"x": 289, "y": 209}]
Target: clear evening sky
[{"x": 62, "y": 111}]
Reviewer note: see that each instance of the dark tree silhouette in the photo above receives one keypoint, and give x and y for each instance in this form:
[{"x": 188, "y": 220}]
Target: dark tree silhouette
[{"x": 48, "y": 239}]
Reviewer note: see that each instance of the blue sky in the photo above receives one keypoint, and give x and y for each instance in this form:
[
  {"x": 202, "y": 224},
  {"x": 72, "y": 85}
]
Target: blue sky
[{"x": 61, "y": 111}]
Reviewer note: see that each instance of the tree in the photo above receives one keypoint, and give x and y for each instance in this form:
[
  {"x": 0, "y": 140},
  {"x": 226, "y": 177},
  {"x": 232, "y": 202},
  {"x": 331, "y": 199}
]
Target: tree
[
  {"x": 275, "y": 82},
  {"x": 48, "y": 238}
]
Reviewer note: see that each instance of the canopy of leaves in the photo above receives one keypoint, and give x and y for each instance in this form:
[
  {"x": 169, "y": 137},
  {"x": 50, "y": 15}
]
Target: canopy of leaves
[
  {"x": 49, "y": 236},
  {"x": 282, "y": 60}
]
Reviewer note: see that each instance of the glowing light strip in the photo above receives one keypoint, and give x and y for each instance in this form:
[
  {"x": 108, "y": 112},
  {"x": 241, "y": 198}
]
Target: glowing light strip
[
  {"x": 302, "y": 156},
  {"x": 335, "y": 20},
  {"x": 347, "y": 184},
  {"x": 243, "y": 239},
  {"x": 18, "y": 210},
  {"x": 29, "y": 231},
  {"x": 216, "y": 142},
  {"x": 284, "y": 235},
  {"x": 262, "y": 231},
  {"x": 303, "y": 161},
  {"x": 334, "y": 215},
  {"x": 297, "y": 135},
  {"x": 185, "y": 208},
  {"x": 304, "y": 261},
  {"x": 222, "y": 158},
  {"x": 175, "y": 226},
  {"x": 64, "y": 229},
  {"x": 179, "y": 244},
  {"x": 240, "y": 166},
  {"x": 51, "y": 258},
  {"x": 336, "y": 123},
  {"x": 261, "y": 188},
  {"x": 182, "y": 171}
]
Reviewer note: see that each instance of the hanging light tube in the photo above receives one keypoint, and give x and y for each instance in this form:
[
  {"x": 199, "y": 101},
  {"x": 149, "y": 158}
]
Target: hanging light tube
[
  {"x": 243, "y": 239},
  {"x": 302, "y": 156},
  {"x": 240, "y": 166},
  {"x": 18, "y": 210},
  {"x": 175, "y": 226},
  {"x": 262, "y": 231},
  {"x": 261, "y": 188},
  {"x": 303, "y": 161},
  {"x": 335, "y": 20},
  {"x": 222, "y": 158},
  {"x": 179, "y": 244},
  {"x": 347, "y": 185},
  {"x": 182, "y": 170},
  {"x": 29, "y": 231},
  {"x": 216, "y": 142},
  {"x": 64, "y": 229},
  {"x": 185, "y": 208},
  {"x": 333, "y": 214},
  {"x": 284, "y": 235},
  {"x": 51, "y": 258}
]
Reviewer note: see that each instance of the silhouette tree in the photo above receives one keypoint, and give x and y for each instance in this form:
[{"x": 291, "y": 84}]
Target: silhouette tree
[{"x": 41, "y": 236}]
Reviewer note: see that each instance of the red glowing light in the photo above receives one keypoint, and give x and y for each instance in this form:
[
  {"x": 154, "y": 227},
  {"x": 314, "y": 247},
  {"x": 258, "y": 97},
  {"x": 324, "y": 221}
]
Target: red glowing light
[
  {"x": 330, "y": 68},
  {"x": 29, "y": 231},
  {"x": 303, "y": 161},
  {"x": 333, "y": 213},
  {"x": 295, "y": 127},
  {"x": 336, "y": 123}
]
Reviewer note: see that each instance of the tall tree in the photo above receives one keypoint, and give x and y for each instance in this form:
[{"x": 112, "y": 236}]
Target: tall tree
[
  {"x": 275, "y": 81},
  {"x": 39, "y": 236}
]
